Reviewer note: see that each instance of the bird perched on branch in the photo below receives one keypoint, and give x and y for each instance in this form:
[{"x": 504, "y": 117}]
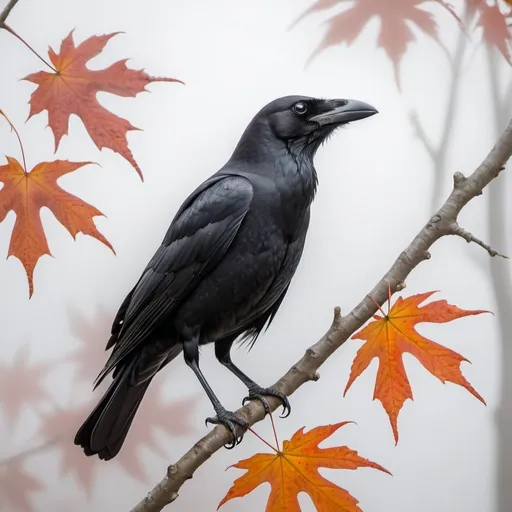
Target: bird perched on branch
[{"x": 223, "y": 268}]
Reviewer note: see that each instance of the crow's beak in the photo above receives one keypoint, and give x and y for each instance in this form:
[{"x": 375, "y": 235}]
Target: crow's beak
[{"x": 348, "y": 110}]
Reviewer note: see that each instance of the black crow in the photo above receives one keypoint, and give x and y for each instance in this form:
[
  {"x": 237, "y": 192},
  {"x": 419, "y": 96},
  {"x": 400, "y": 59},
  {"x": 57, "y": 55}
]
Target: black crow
[{"x": 223, "y": 268}]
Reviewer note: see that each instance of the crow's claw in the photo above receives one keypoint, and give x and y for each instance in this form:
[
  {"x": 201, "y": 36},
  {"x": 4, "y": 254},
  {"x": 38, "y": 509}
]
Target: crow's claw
[
  {"x": 257, "y": 393},
  {"x": 237, "y": 426}
]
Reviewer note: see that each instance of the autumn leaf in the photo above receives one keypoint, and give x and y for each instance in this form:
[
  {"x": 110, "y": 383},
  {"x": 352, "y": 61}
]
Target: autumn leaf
[
  {"x": 60, "y": 426},
  {"x": 295, "y": 469},
  {"x": 72, "y": 89},
  {"x": 89, "y": 357},
  {"x": 395, "y": 34},
  {"x": 26, "y": 193},
  {"x": 15, "y": 487},
  {"x": 389, "y": 337},
  {"x": 21, "y": 383},
  {"x": 495, "y": 31}
]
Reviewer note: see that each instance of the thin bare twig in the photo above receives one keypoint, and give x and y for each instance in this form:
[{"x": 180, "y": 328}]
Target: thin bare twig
[
  {"x": 7, "y": 10},
  {"x": 439, "y": 225},
  {"x": 460, "y": 231}
]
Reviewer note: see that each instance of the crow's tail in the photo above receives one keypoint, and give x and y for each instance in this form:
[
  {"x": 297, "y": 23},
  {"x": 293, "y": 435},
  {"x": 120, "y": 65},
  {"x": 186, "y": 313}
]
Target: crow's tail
[{"x": 104, "y": 431}]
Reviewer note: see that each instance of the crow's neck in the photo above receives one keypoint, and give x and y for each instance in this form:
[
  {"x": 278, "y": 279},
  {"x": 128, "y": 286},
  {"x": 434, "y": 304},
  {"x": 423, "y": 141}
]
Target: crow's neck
[{"x": 289, "y": 163}]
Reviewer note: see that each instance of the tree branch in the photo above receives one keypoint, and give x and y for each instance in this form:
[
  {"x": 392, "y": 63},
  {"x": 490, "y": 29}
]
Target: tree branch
[
  {"x": 6, "y": 12},
  {"x": 439, "y": 225}
]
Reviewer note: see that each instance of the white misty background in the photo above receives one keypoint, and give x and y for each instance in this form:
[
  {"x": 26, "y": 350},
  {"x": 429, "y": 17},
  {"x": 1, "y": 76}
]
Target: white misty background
[{"x": 374, "y": 195}]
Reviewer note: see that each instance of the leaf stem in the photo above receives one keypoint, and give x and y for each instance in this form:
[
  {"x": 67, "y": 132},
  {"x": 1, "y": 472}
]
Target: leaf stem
[
  {"x": 2, "y": 113},
  {"x": 378, "y": 305},
  {"x": 262, "y": 440},
  {"x": 10, "y": 30},
  {"x": 274, "y": 430}
]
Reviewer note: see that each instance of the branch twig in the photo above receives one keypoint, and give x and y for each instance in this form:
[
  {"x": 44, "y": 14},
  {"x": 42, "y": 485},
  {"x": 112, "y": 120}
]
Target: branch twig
[
  {"x": 6, "y": 12},
  {"x": 439, "y": 225}
]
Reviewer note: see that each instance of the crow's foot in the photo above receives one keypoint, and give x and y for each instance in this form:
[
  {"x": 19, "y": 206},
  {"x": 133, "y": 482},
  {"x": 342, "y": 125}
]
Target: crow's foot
[
  {"x": 257, "y": 393},
  {"x": 237, "y": 426}
]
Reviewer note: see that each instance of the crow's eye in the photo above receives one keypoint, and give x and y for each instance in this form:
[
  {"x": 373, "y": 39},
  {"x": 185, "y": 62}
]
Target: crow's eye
[{"x": 300, "y": 108}]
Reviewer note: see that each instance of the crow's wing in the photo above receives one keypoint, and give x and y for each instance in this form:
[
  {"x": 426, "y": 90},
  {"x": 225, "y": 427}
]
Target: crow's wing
[{"x": 199, "y": 236}]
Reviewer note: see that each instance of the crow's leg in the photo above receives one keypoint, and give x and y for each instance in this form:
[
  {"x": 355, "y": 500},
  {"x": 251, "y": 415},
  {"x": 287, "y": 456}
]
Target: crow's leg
[
  {"x": 224, "y": 417},
  {"x": 222, "y": 352}
]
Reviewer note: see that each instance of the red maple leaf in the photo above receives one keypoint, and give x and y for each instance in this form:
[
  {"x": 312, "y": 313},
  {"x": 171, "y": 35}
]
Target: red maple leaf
[
  {"x": 493, "y": 22},
  {"x": 16, "y": 486},
  {"x": 90, "y": 356},
  {"x": 395, "y": 17},
  {"x": 21, "y": 383},
  {"x": 60, "y": 426},
  {"x": 72, "y": 89}
]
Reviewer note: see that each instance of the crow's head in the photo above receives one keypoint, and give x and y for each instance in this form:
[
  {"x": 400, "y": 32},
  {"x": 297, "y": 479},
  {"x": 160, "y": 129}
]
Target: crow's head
[
  {"x": 311, "y": 120},
  {"x": 301, "y": 122}
]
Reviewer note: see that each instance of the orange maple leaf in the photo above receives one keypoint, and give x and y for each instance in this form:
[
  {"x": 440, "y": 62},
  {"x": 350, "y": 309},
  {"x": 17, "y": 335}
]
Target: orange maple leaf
[
  {"x": 26, "y": 193},
  {"x": 72, "y": 89},
  {"x": 295, "y": 469},
  {"x": 389, "y": 336},
  {"x": 395, "y": 32}
]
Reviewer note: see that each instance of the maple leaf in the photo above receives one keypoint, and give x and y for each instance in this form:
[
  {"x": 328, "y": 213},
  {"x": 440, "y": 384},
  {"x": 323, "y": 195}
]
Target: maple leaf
[
  {"x": 26, "y": 193},
  {"x": 388, "y": 337},
  {"x": 295, "y": 469},
  {"x": 495, "y": 31},
  {"x": 90, "y": 356},
  {"x": 60, "y": 426},
  {"x": 395, "y": 34},
  {"x": 72, "y": 89},
  {"x": 21, "y": 383},
  {"x": 15, "y": 487}
]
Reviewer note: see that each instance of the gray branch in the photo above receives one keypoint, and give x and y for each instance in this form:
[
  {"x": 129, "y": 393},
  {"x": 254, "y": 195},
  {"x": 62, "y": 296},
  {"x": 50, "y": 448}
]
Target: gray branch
[
  {"x": 305, "y": 370},
  {"x": 6, "y": 12}
]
